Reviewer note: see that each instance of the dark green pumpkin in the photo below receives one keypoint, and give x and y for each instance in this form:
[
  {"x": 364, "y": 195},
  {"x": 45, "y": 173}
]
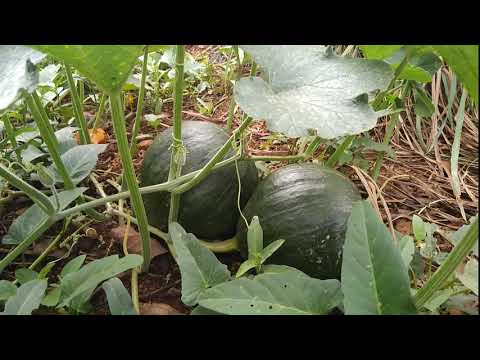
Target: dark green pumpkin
[
  {"x": 209, "y": 210},
  {"x": 308, "y": 206}
]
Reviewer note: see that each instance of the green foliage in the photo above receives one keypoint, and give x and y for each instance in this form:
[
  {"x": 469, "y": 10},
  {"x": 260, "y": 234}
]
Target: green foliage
[
  {"x": 119, "y": 300},
  {"x": 374, "y": 276},
  {"x": 308, "y": 87},
  {"x": 108, "y": 66},
  {"x": 27, "y": 298}
]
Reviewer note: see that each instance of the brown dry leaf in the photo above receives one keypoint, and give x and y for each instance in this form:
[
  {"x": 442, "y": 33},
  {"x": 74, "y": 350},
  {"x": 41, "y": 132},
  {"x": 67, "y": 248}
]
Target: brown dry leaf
[
  {"x": 41, "y": 246},
  {"x": 134, "y": 243},
  {"x": 144, "y": 144},
  {"x": 158, "y": 309},
  {"x": 97, "y": 136},
  {"x": 404, "y": 226}
]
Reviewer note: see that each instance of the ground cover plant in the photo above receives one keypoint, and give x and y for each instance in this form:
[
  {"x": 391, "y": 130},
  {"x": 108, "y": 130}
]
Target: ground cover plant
[{"x": 239, "y": 179}]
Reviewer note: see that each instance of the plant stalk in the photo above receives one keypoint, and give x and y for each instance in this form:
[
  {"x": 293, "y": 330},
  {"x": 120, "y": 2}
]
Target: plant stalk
[
  {"x": 98, "y": 116},
  {"x": 332, "y": 160},
  {"x": 127, "y": 163},
  {"x": 11, "y": 137},
  {"x": 178, "y": 153},
  {"x": 141, "y": 96},
  {"x": 77, "y": 107}
]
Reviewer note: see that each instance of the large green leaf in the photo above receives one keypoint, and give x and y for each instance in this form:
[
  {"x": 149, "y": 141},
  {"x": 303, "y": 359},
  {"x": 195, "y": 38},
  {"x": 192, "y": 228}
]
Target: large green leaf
[
  {"x": 119, "y": 300},
  {"x": 7, "y": 290},
  {"x": 199, "y": 267},
  {"x": 422, "y": 65},
  {"x": 469, "y": 275},
  {"x": 374, "y": 276},
  {"x": 286, "y": 293},
  {"x": 107, "y": 65},
  {"x": 309, "y": 87},
  {"x": 463, "y": 59},
  {"x": 17, "y": 72},
  {"x": 83, "y": 282},
  {"x": 28, "y": 298},
  {"x": 66, "y": 139},
  {"x": 25, "y": 275},
  {"x": 34, "y": 216},
  {"x": 79, "y": 161}
]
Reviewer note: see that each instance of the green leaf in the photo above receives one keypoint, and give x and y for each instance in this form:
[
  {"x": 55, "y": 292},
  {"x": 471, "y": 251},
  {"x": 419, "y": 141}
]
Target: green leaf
[
  {"x": 423, "y": 104},
  {"x": 199, "y": 267},
  {"x": 422, "y": 65},
  {"x": 439, "y": 298},
  {"x": 31, "y": 153},
  {"x": 374, "y": 276},
  {"x": 46, "y": 270},
  {"x": 7, "y": 290},
  {"x": 73, "y": 265},
  {"x": 27, "y": 298},
  {"x": 79, "y": 161},
  {"x": 287, "y": 293},
  {"x": 463, "y": 59},
  {"x": 254, "y": 238},
  {"x": 109, "y": 66},
  {"x": 379, "y": 52},
  {"x": 458, "y": 235},
  {"x": 278, "y": 269},
  {"x": 34, "y": 216},
  {"x": 119, "y": 300},
  {"x": 469, "y": 276},
  {"x": 270, "y": 249},
  {"x": 17, "y": 72},
  {"x": 48, "y": 74},
  {"x": 52, "y": 298},
  {"x": 309, "y": 87},
  {"x": 246, "y": 266},
  {"x": 25, "y": 275},
  {"x": 407, "y": 249},
  {"x": 83, "y": 282},
  {"x": 66, "y": 140},
  {"x": 418, "y": 227}
]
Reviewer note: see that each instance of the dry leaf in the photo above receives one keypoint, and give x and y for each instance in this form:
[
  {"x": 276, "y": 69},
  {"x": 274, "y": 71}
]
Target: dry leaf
[
  {"x": 158, "y": 309},
  {"x": 97, "y": 136},
  {"x": 404, "y": 226},
  {"x": 134, "y": 243},
  {"x": 145, "y": 144}
]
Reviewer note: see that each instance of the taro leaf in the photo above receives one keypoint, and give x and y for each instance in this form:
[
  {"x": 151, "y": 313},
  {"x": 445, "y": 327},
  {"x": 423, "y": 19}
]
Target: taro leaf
[
  {"x": 469, "y": 275},
  {"x": 463, "y": 59},
  {"x": 108, "y": 66},
  {"x": 407, "y": 249},
  {"x": 27, "y": 298},
  {"x": 52, "y": 298},
  {"x": 199, "y": 267},
  {"x": 78, "y": 287},
  {"x": 17, "y": 72},
  {"x": 31, "y": 153},
  {"x": 254, "y": 238},
  {"x": 73, "y": 265},
  {"x": 379, "y": 52},
  {"x": 66, "y": 139},
  {"x": 286, "y": 293},
  {"x": 79, "y": 161},
  {"x": 277, "y": 269},
  {"x": 309, "y": 87},
  {"x": 119, "y": 300},
  {"x": 25, "y": 275},
  {"x": 34, "y": 216},
  {"x": 374, "y": 276},
  {"x": 7, "y": 290}
]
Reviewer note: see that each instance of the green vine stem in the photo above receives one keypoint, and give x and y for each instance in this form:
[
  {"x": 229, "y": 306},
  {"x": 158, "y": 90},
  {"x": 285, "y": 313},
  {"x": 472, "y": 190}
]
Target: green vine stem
[
  {"x": 214, "y": 160},
  {"x": 36, "y": 195},
  {"x": 141, "y": 96},
  {"x": 127, "y": 163},
  {"x": 23, "y": 246},
  {"x": 11, "y": 137},
  {"x": 231, "y": 109},
  {"x": 99, "y": 115},
  {"x": 178, "y": 154},
  {"x": 332, "y": 160},
  {"x": 166, "y": 186},
  {"x": 448, "y": 267},
  {"x": 77, "y": 107}
]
